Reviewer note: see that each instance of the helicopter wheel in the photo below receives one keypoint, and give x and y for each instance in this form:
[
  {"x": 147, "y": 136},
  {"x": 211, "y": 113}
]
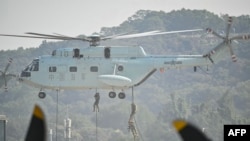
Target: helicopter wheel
[
  {"x": 41, "y": 94},
  {"x": 112, "y": 94},
  {"x": 121, "y": 95}
]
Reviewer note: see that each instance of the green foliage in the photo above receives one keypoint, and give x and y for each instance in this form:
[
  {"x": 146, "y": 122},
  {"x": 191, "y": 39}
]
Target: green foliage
[{"x": 208, "y": 100}]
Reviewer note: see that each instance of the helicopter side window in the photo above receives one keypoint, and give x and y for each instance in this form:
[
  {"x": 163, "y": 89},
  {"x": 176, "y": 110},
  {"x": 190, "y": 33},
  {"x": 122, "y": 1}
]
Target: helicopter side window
[
  {"x": 54, "y": 53},
  {"x": 107, "y": 52},
  {"x": 52, "y": 69},
  {"x": 94, "y": 69},
  {"x": 73, "y": 69},
  {"x": 76, "y": 53}
]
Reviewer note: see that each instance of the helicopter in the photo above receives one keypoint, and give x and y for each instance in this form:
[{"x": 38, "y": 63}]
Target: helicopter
[{"x": 109, "y": 67}]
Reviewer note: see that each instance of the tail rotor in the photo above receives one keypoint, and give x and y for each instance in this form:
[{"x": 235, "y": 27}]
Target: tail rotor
[
  {"x": 209, "y": 30},
  {"x": 227, "y": 40},
  {"x": 5, "y": 76}
]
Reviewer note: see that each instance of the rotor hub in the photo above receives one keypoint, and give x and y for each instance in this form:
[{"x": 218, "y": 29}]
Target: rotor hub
[{"x": 94, "y": 40}]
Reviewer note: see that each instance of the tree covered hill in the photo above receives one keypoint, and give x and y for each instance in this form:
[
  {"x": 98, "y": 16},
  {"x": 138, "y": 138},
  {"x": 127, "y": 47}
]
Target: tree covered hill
[{"x": 211, "y": 97}]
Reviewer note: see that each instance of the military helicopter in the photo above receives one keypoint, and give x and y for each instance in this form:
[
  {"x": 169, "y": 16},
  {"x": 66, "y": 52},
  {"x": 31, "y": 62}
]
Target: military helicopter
[{"x": 109, "y": 67}]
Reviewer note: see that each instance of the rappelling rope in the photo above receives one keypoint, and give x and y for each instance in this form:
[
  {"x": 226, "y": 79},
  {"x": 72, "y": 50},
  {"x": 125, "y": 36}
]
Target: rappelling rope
[
  {"x": 138, "y": 130},
  {"x": 204, "y": 71},
  {"x": 132, "y": 117},
  {"x": 131, "y": 122},
  {"x": 96, "y": 125},
  {"x": 96, "y": 109},
  {"x": 57, "y": 92}
]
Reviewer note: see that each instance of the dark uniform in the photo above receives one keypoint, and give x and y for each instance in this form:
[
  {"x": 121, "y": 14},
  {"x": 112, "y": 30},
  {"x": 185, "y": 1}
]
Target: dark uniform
[
  {"x": 133, "y": 110},
  {"x": 131, "y": 125},
  {"x": 97, "y": 99}
]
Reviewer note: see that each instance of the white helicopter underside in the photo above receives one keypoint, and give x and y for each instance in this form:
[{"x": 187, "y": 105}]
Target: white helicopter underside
[{"x": 105, "y": 82}]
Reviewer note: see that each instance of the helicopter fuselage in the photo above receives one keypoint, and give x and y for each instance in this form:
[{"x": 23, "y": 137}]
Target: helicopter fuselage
[
  {"x": 104, "y": 67},
  {"x": 100, "y": 67}
]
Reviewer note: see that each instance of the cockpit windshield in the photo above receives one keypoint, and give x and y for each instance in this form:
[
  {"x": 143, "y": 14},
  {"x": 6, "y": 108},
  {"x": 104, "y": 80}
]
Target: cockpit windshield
[{"x": 33, "y": 66}]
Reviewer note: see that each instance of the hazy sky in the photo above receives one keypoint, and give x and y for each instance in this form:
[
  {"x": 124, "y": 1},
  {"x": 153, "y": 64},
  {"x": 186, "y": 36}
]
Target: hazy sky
[{"x": 74, "y": 17}]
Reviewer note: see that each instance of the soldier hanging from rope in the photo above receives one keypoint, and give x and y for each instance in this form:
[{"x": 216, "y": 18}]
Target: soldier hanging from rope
[
  {"x": 97, "y": 99},
  {"x": 131, "y": 125}
]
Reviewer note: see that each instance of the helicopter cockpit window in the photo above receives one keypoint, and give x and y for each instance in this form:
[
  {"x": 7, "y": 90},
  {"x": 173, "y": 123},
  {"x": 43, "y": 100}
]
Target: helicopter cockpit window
[
  {"x": 73, "y": 69},
  {"x": 27, "y": 68},
  {"x": 54, "y": 53},
  {"x": 52, "y": 69},
  {"x": 34, "y": 66}
]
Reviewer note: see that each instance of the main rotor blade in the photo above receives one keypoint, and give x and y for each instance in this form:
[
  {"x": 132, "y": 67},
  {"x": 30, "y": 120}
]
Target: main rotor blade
[
  {"x": 153, "y": 33},
  {"x": 143, "y": 34},
  {"x": 46, "y": 36},
  {"x": 82, "y": 38},
  {"x": 25, "y": 36},
  {"x": 241, "y": 37},
  {"x": 178, "y": 31},
  {"x": 209, "y": 30},
  {"x": 59, "y": 37},
  {"x": 229, "y": 23},
  {"x": 113, "y": 36}
]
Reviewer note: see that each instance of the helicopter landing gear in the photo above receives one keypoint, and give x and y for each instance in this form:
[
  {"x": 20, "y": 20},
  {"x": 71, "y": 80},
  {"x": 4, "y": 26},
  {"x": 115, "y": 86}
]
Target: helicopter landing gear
[
  {"x": 42, "y": 94},
  {"x": 121, "y": 95},
  {"x": 112, "y": 94}
]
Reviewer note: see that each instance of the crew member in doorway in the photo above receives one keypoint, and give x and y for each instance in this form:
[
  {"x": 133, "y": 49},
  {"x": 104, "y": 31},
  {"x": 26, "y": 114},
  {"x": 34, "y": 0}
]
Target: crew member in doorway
[{"x": 97, "y": 99}]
